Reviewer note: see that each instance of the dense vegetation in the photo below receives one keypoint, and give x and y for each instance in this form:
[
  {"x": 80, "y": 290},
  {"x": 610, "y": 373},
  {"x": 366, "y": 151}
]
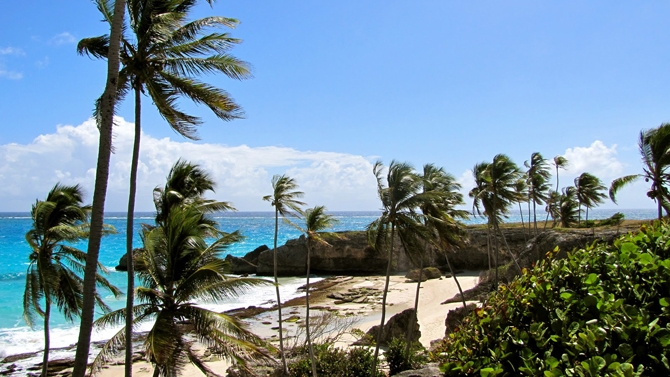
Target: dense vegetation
[{"x": 602, "y": 311}]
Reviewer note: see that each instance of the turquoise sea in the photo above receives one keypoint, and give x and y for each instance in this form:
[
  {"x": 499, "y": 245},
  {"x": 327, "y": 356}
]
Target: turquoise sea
[{"x": 257, "y": 227}]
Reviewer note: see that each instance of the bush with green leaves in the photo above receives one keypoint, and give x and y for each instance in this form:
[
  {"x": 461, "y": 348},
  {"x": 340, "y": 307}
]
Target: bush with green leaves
[
  {"x": 335, "y": 362},
  {"x": 397, "y": 359},
  {"x": 602, "y": 311}
]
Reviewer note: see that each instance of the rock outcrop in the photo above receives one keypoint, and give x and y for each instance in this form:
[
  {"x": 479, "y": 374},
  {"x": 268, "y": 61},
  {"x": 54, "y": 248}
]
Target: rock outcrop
[
  {"x": 426, "y": 273},
  {"x": 248, "y": 264},
  {"x": 455, "y": 316},
  {"x": 396, "y": 327}
]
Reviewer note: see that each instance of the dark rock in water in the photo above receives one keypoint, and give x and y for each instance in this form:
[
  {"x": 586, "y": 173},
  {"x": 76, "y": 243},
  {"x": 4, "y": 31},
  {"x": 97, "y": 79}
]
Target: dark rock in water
[
  {"x": 396, "y": 327},
  {"x": 428, "y": 370},
  {"x": 248, "y": 263},
  {"x": 55, "y": 366},
  {"x": 455, "y": 317},
  {"x": 123, "y": 262},
  {"x": 17, "y": 357},
  {"x": 427, "y": 274}
]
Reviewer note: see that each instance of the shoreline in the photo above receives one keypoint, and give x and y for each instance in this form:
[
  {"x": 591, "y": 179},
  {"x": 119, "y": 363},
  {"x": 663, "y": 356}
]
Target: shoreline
[{"x": 352, "y": 315}]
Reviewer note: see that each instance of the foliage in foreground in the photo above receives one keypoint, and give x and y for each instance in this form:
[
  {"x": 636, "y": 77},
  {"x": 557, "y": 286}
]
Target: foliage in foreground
[
  {"x": 602, "y": 311},
  {"x": 399, "y": 361},
  {"x": 335, "y": 362}
]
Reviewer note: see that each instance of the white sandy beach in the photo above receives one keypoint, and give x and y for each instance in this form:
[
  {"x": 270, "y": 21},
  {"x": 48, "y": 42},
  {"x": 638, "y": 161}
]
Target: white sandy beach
[{"x": 400, "y": 297}]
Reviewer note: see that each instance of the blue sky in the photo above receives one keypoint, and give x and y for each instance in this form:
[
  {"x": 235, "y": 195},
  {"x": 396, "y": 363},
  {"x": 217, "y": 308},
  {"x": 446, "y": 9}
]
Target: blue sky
[{"x": 338, "y": 85}]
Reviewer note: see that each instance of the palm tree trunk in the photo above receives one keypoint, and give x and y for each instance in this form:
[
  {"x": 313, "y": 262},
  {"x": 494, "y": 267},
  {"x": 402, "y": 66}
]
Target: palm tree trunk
[
  {"x": 281, "y": 330},
  {"x": 660, "y": 208},
  {"x": 509, "y": 251},
  {"x": 488, "y": 243},
  {"x": 522, "y": 225},
  {"x": 453, "y": 274},
  {"x": 534, "y": 217},
  {"x": 529, "y": 199},
  {"x": 495, "y": 242},
  {"x": 373, "y": 372},
  {"x": 100, "y": 191},
  {"x": 410, "y": 328},
  {"x": 309, "y": 338},
  {"x": 130, "y": 293},
  {"x": 47, "y": 336}
]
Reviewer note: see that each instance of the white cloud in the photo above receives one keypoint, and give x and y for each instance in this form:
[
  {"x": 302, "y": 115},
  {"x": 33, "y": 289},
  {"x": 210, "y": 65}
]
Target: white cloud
[
  {"x": 42, "y": 63},
  {"x": 62, "y": 38},
  {"x": 11, "y": 51},
  {"x": 339, "y": 181},
  {"x": 12, "y": 75},
  {"x": 597, "y": 159}
]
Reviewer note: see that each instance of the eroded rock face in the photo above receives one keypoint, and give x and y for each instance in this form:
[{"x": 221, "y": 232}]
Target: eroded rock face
[
  {"x": 396, "y": 327},
  {"x": 427, "y": 274},
  {"x": 248, "y": 264}
]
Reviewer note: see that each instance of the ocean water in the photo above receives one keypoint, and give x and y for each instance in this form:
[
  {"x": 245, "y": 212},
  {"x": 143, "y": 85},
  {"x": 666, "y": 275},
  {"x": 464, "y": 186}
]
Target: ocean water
[{"x": 257, "y": 227}]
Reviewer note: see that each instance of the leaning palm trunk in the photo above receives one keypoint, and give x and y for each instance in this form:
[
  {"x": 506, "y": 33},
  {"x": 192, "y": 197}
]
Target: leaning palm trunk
[
  {"x": 100, "y": 191},
  {"x": 47, "y": 336},
  {"x": 307, "y": 330},
  {"x": 496, "y": 246},
  {"x": 373, "y": 372},
  {"x": 130, "y": 294},
  {"x": 410, "y": 327},
  {"x": 525, "y": 239},
  {"x": 281, "y": 331},
  {"x": 453, "y": 274},
  {"x": 488, "y": 244},
  {"x": 509, "y": 251}
]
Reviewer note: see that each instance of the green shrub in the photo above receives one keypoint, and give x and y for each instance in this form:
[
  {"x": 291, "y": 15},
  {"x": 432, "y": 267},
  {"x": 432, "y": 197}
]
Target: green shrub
[
  {"x": 335, "y": 362},
  {"x": 602, "y": 311},
  {"x": 615, "y": 219},
  {"x": 397, "y": 360}
]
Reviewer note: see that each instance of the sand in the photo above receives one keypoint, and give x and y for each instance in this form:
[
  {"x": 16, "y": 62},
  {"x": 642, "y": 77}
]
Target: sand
[{"x": 401, "y": 296}]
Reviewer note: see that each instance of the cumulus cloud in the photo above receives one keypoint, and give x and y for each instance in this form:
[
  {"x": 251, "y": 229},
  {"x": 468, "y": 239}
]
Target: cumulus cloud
[
  {"x": 339, "y": 181},
  {"x": 597, "y": 159},
  {"x": 62, "y": 38}
]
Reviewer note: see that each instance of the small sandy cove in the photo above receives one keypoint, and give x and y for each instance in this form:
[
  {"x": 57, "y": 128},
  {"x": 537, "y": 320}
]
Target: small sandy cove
[{"x": 364, "y": 315}]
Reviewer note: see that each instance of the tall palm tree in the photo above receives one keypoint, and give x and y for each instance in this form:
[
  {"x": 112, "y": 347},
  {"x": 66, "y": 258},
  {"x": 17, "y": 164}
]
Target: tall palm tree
[
  {"x": 654, "y": 146},
  {"x": 400, "y": 196},
  {"x": 316, "y": 220},
  {"x": 105, "y": 119},
  {"x": 568, "y": 207},
  {"x": 284, "y": 198},
  {"x": 180, "y": 268},
  {"x": 521, "y": 188},
  {"x": 481, "y": 203},
  {"x": 562, "y": 163},
  {"x": 495, "y": 191},
  {"x": 589, "y": 190},
  {"x": 537, "y": 177},
  {"x": 161, "y": 61},
  {"x": 442, "y": 195},
  {"x": 53, "y": 271}
]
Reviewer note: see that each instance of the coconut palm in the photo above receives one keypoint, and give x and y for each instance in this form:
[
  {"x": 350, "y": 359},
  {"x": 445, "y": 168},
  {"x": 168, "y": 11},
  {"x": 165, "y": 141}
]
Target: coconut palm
[
  {"x": 589, "y": 191},
  {"x": 105, "y": 120},
  {"x": 562, "y": 163},
  {"x": 167, "y": 52},
  {"x": 568, "y": 207},
  {"x": 441, "y": 196},
  {"x": 400, "y": 196},
  {"x": 181, "y": 268},
  {"x": 481, "y": 204},
  {"x": 284, "y": 198},
  {"x": 316, "y": 220},
  {"x": 537, "y": 177},
  {"x": 54, "y": 264},
  {"x": 495, "y": 191},
  {"x": 654, "y": 146},
  {"x": 521, "y": 188}
]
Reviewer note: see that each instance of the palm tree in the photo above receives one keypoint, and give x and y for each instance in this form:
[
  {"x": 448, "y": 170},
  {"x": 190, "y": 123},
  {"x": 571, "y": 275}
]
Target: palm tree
[
  {"x": 538, "y": 183},
  {"x": 442, "y": 195},
  {"x": 654, "y": 146},
  {"x": 284, "y": 198},
  {"x": 400, "y": 196},
  {"x": 166, "y": 54},
  {"x": 558, "y": 162},
  {"x": 180, "y": 268},
  {"x": 495, "y": 190},
  {"x": 105, "y": 120},
  {"x": 589, "y": 192},
  {"x": 481, "y": 204},
  {"x": 316, "y": 220},
  {"x": 521, "y": 188},
  {"x": 52, "y": 274},
  {"x": 568, "y": 207}
]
